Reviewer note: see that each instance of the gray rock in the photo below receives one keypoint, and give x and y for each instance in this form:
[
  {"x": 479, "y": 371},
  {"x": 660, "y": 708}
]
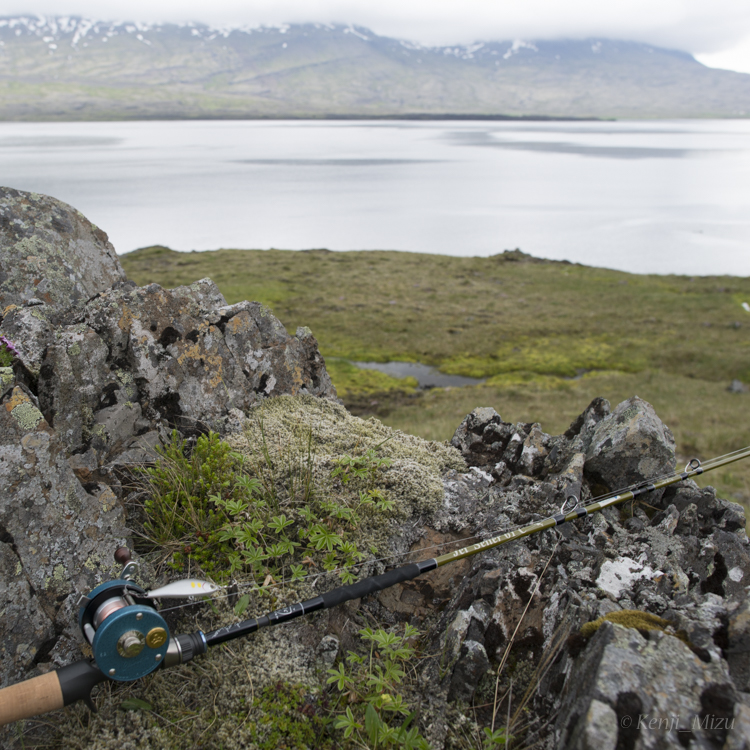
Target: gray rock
[
  {"x": 192, "y": 358},
  {"x": 631, "y": 445},
  {"x": 482, "y": 437},
  {"x": 25, "y": 628},
  {"x": 634, "y": 525},
  {"x": 585, "y": 424},
  {"x": 738, "y": 737},
  {"x": 327, "y": 650},
  {"x": 653, "y": 700},
  {"x": 76, "y": 380},
  {"x": 30, "y": 330},
  {"x": 710, "y": 511},
  {"x": 738, "y": 648},
  {"x": 737, "y": 386},
  {"x": 57, "y": 538},
  {"x": 144, "y": 359},
  {"x": 597, "y": 729},
  {"x": 534, "y": 451},
  {"x": 50, "y": 252},
  {"x": 470, "y": 668}
]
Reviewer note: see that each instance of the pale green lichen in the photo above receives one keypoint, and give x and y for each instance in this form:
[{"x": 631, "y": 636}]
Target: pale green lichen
[
  {"x": 74, "y": 349},
  {"x": 73, "y": 501},
  {"x": 36, "y": 312},
  {"x": 285, "y": 424},
  {"x": 128, "y": 384},
  {"x": 211, "y": 702},
  {"x": 27, "y": 416},
  {"x": 58, "y": 581},
  {"x": 87, "y": 419},
  {"x": 93, "y": 563},
  {"x": 6, "y": 376}
]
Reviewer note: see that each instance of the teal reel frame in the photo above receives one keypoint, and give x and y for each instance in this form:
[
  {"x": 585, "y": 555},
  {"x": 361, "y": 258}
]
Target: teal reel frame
[{"x": 128, "y": 636}]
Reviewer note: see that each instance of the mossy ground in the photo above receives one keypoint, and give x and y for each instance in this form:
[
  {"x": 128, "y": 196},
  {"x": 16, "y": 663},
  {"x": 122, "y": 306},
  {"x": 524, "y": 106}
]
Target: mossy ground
[{"x": 531, "y": 328}]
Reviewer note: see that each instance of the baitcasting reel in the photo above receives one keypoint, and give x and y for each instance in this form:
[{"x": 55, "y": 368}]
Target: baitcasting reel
[{"x": 120, "y": 620}]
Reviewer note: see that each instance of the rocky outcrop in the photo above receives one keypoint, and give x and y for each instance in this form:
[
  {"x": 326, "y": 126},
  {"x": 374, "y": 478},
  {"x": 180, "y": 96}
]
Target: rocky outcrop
[
  {"x": 104, "y": 370},
  {"x": 682, "y": 556},
  {"x": 141, "y": 360}
]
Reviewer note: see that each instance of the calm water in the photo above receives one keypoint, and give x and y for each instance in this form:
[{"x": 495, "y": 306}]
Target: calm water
[
  {"x": 648, "y": 197},
  {"x": 426, "y": 377}
]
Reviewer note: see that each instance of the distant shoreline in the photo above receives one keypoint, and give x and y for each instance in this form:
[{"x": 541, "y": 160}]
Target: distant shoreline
[{"x": 417, "y": 116}]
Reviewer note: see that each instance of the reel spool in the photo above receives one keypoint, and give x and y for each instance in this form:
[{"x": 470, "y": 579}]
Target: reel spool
[{"x": 126, "y": 632}]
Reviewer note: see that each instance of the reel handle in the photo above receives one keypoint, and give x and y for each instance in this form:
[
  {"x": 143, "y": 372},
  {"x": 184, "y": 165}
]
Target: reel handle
[{"x": 49, "y": 692}]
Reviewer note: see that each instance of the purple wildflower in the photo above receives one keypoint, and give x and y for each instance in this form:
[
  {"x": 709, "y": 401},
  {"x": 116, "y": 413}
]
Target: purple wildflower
[{"x": 9, "y": 346}]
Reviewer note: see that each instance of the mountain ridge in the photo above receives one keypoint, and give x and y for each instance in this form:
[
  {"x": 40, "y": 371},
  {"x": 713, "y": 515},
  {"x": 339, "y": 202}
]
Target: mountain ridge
[{"x": 69, "y": 67}]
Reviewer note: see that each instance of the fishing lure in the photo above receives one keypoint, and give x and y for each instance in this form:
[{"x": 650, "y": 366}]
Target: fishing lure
[{"x": 130, "y": 638}]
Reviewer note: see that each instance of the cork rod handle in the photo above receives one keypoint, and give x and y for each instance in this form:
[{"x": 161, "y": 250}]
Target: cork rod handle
[{"x": 38, "y": 695}]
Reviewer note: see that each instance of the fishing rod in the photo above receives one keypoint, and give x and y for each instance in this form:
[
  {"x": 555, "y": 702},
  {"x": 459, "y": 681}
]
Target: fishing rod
[{"x": 130, "y": 638}]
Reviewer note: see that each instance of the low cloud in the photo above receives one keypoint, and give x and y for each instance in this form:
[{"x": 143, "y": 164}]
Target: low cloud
[{"x": 696, "y": 26}]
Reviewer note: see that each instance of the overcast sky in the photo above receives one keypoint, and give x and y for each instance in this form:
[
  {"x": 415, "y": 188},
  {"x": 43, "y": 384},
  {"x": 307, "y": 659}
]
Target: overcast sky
[{"x": 716, "y": 31}]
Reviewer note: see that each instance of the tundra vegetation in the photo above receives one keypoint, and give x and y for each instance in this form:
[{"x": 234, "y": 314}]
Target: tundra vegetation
[{"x": 547, "y": 336}]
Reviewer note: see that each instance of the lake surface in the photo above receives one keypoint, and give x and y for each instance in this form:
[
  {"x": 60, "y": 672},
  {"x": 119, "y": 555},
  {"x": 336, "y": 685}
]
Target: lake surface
[{"x": 646, "y": 197}]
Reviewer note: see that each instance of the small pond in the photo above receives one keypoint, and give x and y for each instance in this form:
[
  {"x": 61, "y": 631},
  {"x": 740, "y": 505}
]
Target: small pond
[{"x": 427, "y": 377}]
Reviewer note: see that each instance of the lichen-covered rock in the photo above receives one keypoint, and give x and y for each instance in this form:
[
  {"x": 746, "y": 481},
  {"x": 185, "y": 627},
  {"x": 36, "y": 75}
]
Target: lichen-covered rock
[
  {"x": 503, "y": 449},
  {"x": 31, "y": 331},
  {"x": 597, "y": 729},
  {"x": 482, "y": 437},
  {"x": 738, "y": 736},
  {"x": 143, "y": 359},
  {"x": 57, "y": 539},
  {"x": 471, "y": 666},
  {"x": 654, "y": 702},
  {"x": 51, "y": 252},
  {"x": 684, "y": 563},
  {"x": 25, "y": 628},
  {"x": 630, "y": 445}
]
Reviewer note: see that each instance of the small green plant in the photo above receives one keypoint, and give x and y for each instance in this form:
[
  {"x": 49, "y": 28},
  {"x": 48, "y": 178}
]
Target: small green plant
[
  {"x": 495, "y": 738},
  {"x": 228, "y": 515},
  {"x": 369, "y": 686},
  {"x": 376, "y": 499},
  {"x": 366, "y": 467},
  {"x": 290, "y": 717},
  {"x": 8, "y": 352},
  {"x": 135, "y": 704}
]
